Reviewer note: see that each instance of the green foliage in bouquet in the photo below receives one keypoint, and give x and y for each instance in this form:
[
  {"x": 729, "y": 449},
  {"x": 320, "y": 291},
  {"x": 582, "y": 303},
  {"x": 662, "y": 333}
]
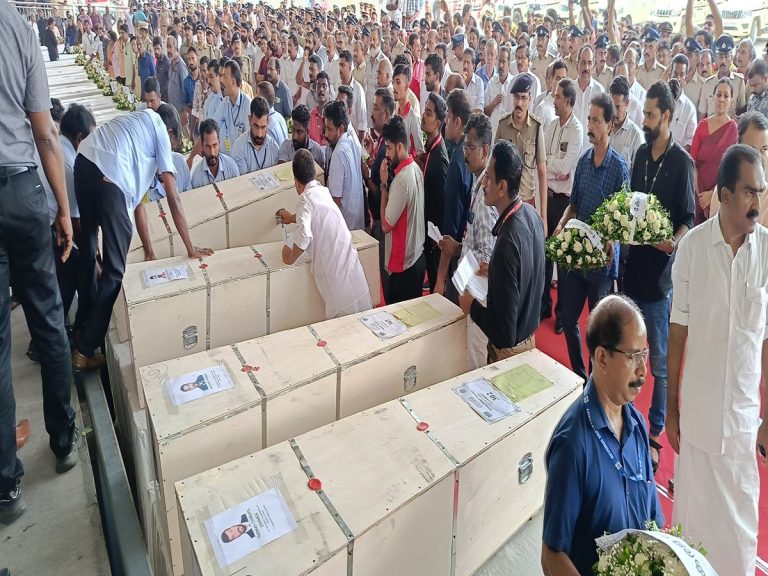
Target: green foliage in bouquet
[
  {"x": 80, "y": 59},
  {"x": 614, "y": 220},
  {"x": 573, "y": 249},
  {"x": 123, "y": 103}
]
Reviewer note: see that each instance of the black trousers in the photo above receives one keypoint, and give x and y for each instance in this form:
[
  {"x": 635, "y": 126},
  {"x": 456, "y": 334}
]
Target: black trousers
[
  {"x": 102, "y": 205},
  {"x": 556, "y": 206},
  {"x": 27, "y": 262},
  {"x": 432, "y": 254},
  {"x": 379, "y": 235},
  {"x": 407, "y": 284}
]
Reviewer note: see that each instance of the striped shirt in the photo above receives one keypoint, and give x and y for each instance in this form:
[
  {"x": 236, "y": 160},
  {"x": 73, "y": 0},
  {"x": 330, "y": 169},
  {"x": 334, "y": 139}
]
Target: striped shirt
[
  {"x": 404, "y": 244},
  {"x": 480, "y": 222}
]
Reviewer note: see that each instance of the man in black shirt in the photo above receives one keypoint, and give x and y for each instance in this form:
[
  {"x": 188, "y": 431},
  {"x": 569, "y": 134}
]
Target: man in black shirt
[
  {"x": 434, "y": 163},
  {"x": 516, "y": 270},
  {"x": 663, "y": 168}
]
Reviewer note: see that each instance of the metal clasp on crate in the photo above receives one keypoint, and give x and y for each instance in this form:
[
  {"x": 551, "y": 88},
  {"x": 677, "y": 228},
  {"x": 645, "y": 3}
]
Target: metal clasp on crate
[
  {"x": 189, "y": 337},
  {"x": 409, "y": 378},
  {"x": 525, "y": 468}
]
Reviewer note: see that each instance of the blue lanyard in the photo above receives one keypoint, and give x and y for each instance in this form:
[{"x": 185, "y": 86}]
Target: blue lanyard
[
  {"x": 614, "y": 461},
  {"x": 256, "y": 157},
  {"x": 232, "y": 114}
]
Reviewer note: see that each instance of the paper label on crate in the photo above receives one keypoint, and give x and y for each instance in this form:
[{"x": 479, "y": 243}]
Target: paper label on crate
[
  {"x": 245, "y": 528},
  {"x": 265, "y": 181},
  {"x": 383, "y": 324},
  {"x": 284, "y": 172},
  {"x": 199, "y": 384},
  {"x": 486, "y": 400},
  {"x": 416, "y": 314},
  {"x": 157, "y": 276}
]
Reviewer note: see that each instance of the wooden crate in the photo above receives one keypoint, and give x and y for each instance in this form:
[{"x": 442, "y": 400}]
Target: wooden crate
[
  {"x": 404, "y": 501},
  {"x": 298, "y": 380},
  {"x": 222, "y": 215},
  {"x": 232, "y": 296}
]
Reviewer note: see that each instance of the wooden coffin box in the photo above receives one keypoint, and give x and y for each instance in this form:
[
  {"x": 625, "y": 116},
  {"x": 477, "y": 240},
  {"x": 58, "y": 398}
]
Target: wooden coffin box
[
  {"x": 223, "y": 215},
  {"x": 419, "y": 485},
  {"x": 288, "y": 383},
  {"x": 231, "y": 296}
]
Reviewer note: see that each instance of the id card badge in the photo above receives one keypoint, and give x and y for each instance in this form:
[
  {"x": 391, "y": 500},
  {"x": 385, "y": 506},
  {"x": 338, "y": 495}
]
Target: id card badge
[{"x": 227, "y": 144}]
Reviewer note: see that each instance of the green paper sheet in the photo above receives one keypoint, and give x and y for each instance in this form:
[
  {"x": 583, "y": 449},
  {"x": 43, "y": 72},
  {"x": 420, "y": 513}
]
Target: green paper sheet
[
  {"x": 416, "y": 314},
  {"x": 284, "y": 173},
  {"x": 520, "y": 383}
]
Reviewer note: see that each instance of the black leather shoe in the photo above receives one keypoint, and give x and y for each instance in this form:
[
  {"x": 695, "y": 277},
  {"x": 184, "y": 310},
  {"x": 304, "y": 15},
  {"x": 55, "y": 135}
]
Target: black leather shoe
[
  {"x": 12, "y": 506},
  {"x": 66, "y": 463},
  {"x": 5, "y": 572}
]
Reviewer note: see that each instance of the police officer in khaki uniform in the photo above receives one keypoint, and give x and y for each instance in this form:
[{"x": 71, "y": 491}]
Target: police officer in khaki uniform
[
  {"x": 602, "y": 72},
  {"x": 572, "y": 61},
  {"x": 246, "y": 69},
  {"x": 650, "y": 70},
  {"x": 202, "y": 47},
  {"x": 524, "y": 130},
  {"x": 724, "y": 47},
  {"x": 455, "y": 62},
  {"x": 542, "y": 59}
]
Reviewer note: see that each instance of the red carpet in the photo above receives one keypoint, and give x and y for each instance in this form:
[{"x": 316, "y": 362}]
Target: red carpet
[{"x": 554, "y": 345}]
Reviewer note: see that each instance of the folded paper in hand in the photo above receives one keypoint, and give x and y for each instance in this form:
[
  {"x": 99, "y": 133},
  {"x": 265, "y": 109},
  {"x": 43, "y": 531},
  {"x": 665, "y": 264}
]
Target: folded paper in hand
[
  {"x": 434, "y": 232},
  {"x": 466, "y": 278}
]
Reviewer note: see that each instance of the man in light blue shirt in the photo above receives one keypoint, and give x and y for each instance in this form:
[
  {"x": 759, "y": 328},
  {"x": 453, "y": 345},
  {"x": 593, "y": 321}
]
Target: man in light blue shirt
[
  {"x": 177, "y": 73},
  {"x": 277, "y": 128},
  {"x": 256, "y": 149},
  {"x": 171, "y": 119},
  {"x": 215, "y": 97},
  {"x": 215, "y": 166},
  {"x": 232, "y": 114},
  {"x": 344, "y": 176},
  {"x": 114, "y": 168}
]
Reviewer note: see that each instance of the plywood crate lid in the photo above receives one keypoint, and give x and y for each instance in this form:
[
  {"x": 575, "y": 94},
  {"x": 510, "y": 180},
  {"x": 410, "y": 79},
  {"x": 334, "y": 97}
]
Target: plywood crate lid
[
  {"x": 352, "y": 341},
  {"x": 201, "y": 205},
  {"x": 278, "y": 363},
  {"x": 169, "y": 420},
  {"x": 158, "y": 231},
  {"x": 316, "y": 539},
  {"x": 221, "y": 266},
  {"x": 464, "y": 433}
]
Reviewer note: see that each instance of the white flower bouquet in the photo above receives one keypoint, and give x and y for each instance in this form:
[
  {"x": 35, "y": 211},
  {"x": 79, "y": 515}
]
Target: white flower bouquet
[
  {"x": 633, "y": 218},
  {"x": 577, "y": 246},
  {"x": 651, "y": 552}
]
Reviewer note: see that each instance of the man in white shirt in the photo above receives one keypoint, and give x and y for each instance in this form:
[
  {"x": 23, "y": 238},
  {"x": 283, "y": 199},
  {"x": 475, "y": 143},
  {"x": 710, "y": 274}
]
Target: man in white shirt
[
  {"x": 522, "y": 65},
  {"x": 331, "y": 62},
  {"x": 375, "y": 55},
  {"x": 684, "y": 120},
  {"x": 628, "y": 68},
  {"x": 322, "y": 232},
  {"x": 626, "y": 136},
  {"x": 544, "y": 105},
  {"x": 290, "y": 64},
  {"x": 563, "y": 141},
  {"x": 401, "y": 78},
  {"x": 474, "y": 84},
  {"x": 498, "y": 100},
  {"x": 256, "y": 149},
  {"x": 718, "y": 321},
  {"x": 343, "y": 174},
  {"x": 359, "y": 114},
  {"x": 114, "y": 168},
  {"x": 215, "y": 166},
  {"x": 586, "y": 87},
  {"x": 232, "y": 114}
]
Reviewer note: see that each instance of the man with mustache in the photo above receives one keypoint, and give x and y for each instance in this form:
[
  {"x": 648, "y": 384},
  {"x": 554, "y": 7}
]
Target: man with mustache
[
  {"x": 599, "y": 477},
  {"x": 541, "y": 61},
  {"x": 497, "y": 95},
  {"x": 602, "y": 72},
  {"x": 758, "y": 84},
  {"x": 663, "y": 168},
  {"x": 525, "y": 132},
  {"x": 684, "y": 119},
  {"x": 694, "y": 81},
  {"x": 256, "y": 149},
  {"x": 586, "y": 87},
  {"x": 216, "y": 166},
  {"x": 433, "y": 76},
  {"x": 724, "y": 47},
  {"x": 300, "y": 139},
  {"x": 713, "y": 413},
  {"x": 474, "y": 84},
  {"x": 651, "y": 70}
]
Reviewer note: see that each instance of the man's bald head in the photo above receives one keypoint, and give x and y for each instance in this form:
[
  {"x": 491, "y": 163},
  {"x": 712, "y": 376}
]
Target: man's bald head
[
  {"x": 610, "y": 319},
  {"x": 454, "y": 81}
]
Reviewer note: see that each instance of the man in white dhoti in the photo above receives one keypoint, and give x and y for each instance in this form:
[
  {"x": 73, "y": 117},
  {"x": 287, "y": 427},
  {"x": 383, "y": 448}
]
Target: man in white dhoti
[
  {"x": 718, "y": 318},
  {"x": 322, "y": 232}
]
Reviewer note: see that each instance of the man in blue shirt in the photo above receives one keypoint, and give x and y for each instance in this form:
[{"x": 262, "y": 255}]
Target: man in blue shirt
[
  {"x": 458, "y": 192},
  {"x": 600, "y": 173},
  {"x": 599, "y": 472},
  {"x": 188, "y": 122}
]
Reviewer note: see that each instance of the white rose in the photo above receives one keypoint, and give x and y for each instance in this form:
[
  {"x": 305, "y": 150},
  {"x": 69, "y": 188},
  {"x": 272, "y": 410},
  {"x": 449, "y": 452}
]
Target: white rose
[
  {"x": 606, "y": 220},
  {"x": 568, "y": 259},
  {"x": 582, "y": 233},
  {"x": 609, "y": 228},
  {"x": 665, "y": 222},
  {"x": 625, "y": 235},
  {"x": 642, "y": 224},
  {"x": 651, "y": 217},
  {"x": 624, "y": 221},
  {"x": 628, "y": 201},
  {"x": 567, "y": 236},
  {"x": 617, "y": 215},
  {"x": 559, "y": 253},
  {"x": 656, "y": 226},
  {"x": 588, "y": 246},
  {"x": 614, "y": 206},
  {"x": 564, "y": 246},
  {"x": 646, "y": 235},
  {"x": 577, "y": 247},
  {"x": 579, "y": 261}
]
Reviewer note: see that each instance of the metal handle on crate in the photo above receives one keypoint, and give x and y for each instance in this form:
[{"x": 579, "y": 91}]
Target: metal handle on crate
[{"x": 525, "y": 468}]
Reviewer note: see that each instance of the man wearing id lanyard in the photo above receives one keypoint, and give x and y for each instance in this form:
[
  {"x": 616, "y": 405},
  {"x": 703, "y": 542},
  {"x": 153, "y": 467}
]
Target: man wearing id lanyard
[
  {"x": 600, "y": 173},
  {"x": 662, "y": 168},
  {"x": 599, "y": 476},
  {"x": 256, "y": 149},
  {"x": 215, "y": 166},
  {"x": 232, "y": 113},
  {"x": 718, "y": 322},
  {"x": 516, "y": 267}
]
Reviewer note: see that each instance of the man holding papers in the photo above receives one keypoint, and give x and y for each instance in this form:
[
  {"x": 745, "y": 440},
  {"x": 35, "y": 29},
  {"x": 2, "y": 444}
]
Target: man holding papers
[
  {"x": 322, "y": 232},
  {"x": 516, "y": 268}
]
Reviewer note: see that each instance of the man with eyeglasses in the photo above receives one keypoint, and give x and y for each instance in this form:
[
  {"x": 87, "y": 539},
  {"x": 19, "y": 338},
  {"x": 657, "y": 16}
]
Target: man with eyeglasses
[
  {"x": 718, "y": 322},
  {"x": 599, "y": 475}
]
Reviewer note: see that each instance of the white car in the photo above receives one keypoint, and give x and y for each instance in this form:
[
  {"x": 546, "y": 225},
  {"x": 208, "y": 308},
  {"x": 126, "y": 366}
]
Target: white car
[{"x": 745, "y": 18}]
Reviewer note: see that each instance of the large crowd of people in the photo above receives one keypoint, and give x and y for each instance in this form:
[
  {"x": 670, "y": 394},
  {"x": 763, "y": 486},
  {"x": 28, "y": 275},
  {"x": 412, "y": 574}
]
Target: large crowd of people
[{"x": 492, "y": 132}]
